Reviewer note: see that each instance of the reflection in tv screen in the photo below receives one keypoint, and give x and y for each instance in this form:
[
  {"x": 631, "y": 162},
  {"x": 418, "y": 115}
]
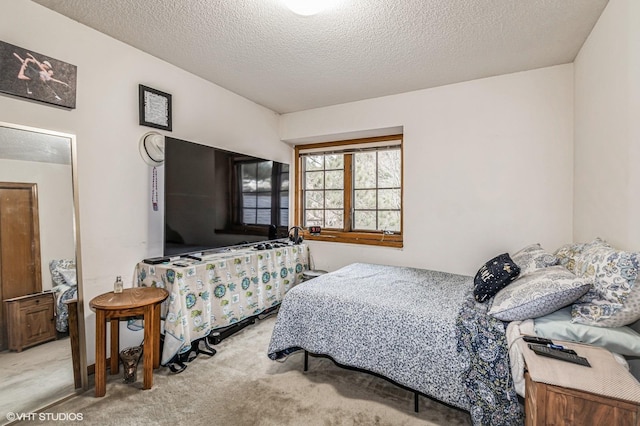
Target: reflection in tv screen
[{"x": 216, "y": 198}]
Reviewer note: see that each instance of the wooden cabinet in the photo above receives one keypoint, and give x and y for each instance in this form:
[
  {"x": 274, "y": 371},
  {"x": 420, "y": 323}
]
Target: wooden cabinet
[
  {"x": 30, "y": 320},
  {"x": 555, "y": 405}
]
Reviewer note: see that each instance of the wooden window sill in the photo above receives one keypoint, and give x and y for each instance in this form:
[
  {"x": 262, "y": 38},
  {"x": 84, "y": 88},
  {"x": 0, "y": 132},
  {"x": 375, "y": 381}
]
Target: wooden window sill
[{"x": 357, "y": 238}]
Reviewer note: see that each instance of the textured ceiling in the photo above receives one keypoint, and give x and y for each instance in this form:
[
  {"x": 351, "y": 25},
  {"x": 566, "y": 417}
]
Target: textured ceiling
[{"x": 359, "y": 49}]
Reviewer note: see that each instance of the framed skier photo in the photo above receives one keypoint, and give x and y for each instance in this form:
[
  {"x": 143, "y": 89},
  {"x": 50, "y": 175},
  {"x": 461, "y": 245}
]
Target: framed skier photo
[{"x": 31, "y": 75}]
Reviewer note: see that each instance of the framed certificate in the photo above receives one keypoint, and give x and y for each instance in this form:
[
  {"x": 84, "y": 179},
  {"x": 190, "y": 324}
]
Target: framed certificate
[{"x": 155, "y": 108}]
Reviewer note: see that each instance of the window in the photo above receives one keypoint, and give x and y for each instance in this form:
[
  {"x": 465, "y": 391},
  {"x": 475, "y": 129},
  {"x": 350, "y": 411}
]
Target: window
[
  {"x": 324, "y": 190},
  {"x": 352, "y": 189},
  {"x": 264, "y": 187}
]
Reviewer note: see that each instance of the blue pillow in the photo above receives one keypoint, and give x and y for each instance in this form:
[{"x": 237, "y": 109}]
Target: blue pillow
[
  {"x": 493, "y": 276},
  {"x": 558, "y": 325}
]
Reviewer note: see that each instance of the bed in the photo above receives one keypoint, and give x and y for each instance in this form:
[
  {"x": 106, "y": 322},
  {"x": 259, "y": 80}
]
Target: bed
[
  {"x": 421, "y": 329},
  {"x": 451, "y": 337},
  {"x": 64, "y": 287}
]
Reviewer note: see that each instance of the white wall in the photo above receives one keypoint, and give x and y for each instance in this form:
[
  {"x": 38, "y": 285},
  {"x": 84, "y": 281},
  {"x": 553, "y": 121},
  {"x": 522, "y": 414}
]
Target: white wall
[
  {"x": 55, "y": 207},
  {"x": 487, "y": 167},
  {"x": 117, "y": 226},
  {"x": 607, "y": 129},
  {"x": 607, "y": 132},
  {"x": 488, "y": 163}
]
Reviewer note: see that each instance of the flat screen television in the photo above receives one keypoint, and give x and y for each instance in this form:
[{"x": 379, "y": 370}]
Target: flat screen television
[{"x": 216, "y": 198}]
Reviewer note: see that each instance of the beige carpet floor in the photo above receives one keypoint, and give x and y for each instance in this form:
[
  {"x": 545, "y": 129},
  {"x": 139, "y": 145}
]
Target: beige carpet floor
[
  {"x": 35, "y": 377},
  {"x": 241, "y": 386}
]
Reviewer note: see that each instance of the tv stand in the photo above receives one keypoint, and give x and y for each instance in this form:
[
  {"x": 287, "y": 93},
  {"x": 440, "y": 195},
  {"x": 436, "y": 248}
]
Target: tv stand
[{"x": 215, "y": 295}]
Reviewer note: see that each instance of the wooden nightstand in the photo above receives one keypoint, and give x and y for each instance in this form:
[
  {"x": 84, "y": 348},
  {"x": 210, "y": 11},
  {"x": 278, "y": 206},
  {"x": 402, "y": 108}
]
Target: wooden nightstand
[
  {"x": 561, "y": 393},
  {"x": 30, "y": 320},
  {"x": 555, "y": 405}
]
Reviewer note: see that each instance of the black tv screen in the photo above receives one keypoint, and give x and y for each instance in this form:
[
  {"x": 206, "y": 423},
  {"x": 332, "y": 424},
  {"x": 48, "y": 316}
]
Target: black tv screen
[{"x": 216, "y": 198}]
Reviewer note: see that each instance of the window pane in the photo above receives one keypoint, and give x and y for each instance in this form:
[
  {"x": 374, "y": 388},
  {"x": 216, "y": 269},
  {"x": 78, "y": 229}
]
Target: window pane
[
  {"x": 248, "y": 170},
  {"x": 248, "y": 173},
  {"x": 264, "y": 217},
  {"x": 365, "y": 220},
  {"x": 249, "y": 216},
  {"x": 334, "y": 161},
  {"x": 249, "y": 200},
  {"x": 364, "y": 170},
  {"x": 389, "y": 199},
  {"x": 389, "y": 175},
  {"x": 284, "y": 182},
  {"x": 314, "y": 162},
  {"x": 284, "y": 217},
  {"x": 334, "y": 219},
  {"x": 314, "y": 218},
  {"x": 264, "y": 175},
  {"x": 314, "y": 180},
  {"x": 334, "y": 180},
  {"x": 249, "y": 185},
  {"x": 264, "y": 185},
  {"x": 365, "y": 198},
  {"x": 284, "y": 199},
  {"x": 389, "y": 221},
  {"x": 334, "y": 199},
  {"x": 314, "y": 199},
  {"x": 264, "y": 200}
]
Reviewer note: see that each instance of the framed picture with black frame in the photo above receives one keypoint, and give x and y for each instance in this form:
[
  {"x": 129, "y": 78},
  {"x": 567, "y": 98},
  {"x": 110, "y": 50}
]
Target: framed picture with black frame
[{"x": 154, "y": 107}]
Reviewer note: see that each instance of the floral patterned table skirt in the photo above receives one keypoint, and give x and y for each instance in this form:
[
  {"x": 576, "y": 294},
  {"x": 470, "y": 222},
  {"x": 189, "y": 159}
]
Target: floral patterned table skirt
[{"x": 220, "y": 290}]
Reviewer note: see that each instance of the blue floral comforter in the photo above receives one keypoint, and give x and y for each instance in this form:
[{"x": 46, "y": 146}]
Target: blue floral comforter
[
  {"x": 62, "y": 294},
  {"x": 419, "y": 328}
]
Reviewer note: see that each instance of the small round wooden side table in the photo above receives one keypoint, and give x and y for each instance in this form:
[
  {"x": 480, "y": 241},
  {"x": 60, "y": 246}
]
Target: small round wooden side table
[{"x": 114, "y": 306}]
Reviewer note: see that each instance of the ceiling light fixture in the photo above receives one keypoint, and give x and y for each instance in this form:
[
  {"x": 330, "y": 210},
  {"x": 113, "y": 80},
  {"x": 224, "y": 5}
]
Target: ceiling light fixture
[{"x": 308, "y": 7}]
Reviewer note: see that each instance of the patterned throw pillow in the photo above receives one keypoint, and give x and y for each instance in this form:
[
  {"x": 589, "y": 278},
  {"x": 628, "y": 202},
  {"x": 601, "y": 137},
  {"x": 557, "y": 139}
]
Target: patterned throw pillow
[
  {"x": 69, "y": 276},
  {"x": 568, "y": 254},
  {"x": 614, "y": 300},
  {"x": 61, "y": 267},
  {"x": 494, "y": 276},
  {"x": 538, "y": 293},
  {"x": 533, "y": 257},
  {"x": 583, "y": 266}
]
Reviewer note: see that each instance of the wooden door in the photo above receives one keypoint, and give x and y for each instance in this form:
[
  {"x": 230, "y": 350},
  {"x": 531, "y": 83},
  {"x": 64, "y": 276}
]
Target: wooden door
[{"x": 20, "y": 272}]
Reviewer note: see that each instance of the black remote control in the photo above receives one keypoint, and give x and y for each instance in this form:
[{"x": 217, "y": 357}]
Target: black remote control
[
  {"x": 562, "y": 356},
  {"x": 538, "y": 340},
  {"x": 566, "y": 351}
]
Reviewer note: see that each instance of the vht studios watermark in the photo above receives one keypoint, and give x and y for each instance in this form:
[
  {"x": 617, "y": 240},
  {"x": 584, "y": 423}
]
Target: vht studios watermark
[{"x": 54, "y": 417}]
